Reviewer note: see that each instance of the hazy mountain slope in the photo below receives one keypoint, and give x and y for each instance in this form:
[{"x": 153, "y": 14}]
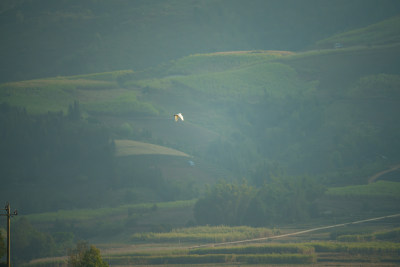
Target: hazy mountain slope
[
  {"x": 357, "y": 122},
  {"x": 282, "y": 126},
  {"x": 382, "y": 33},
  {"x": 46, "y": 38},
  {"x": 311, "y": 111},
  {"x": 252, "y": 114}
]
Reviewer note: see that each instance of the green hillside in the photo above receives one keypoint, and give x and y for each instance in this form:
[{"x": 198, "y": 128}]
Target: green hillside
[
  {"x": 380, "y": 188},
  {"x": 284, "y": 104},
  {"x": 269, "y": 137},
  {"x": 98, "y": 93},
  {"x": 48, "y": 39},
  {"x": 382, "y": 33},
  {"x": 129, "y": 147}
]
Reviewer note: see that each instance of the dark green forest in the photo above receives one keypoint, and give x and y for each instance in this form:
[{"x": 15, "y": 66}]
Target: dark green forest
[
  {"x": 62, "y": 157},
  {"x": 280, "y": 200},
  {"x": 46, "y": 154}
]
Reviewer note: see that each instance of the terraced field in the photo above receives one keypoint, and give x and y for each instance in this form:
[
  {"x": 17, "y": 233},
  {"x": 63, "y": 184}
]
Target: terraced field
[{"x": 130, "y": 147}]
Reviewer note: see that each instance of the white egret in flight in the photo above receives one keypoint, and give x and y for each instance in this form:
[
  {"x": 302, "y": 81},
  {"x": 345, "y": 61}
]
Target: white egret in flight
[{"x": 178, "y": 116}]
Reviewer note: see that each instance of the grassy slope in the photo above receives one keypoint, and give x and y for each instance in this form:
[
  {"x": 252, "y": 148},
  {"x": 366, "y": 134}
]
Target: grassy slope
[
  {"x": 221, "y": 75},
  {"x": 382, "y": 33},
  {"x": 95, "y": 214},
  {"x": 315, "y": 248},
  {"x": 337, "y": 69},
  {"x": 199, "y": 77},
  {"x": 206, "y": 88},
  {"x": 239, "y": 65},
  {"x": 378, "y": 189},
  {"x": 132, "y": 35},
  {"x": 129, "y": 148},
  {"x": 118, "y": 223},
  {"x": 98, "y": 93},
  {"x": 226, "y": 74}
]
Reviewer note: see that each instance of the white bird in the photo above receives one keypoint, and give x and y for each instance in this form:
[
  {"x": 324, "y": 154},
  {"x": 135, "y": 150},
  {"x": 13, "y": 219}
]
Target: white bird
[{"x": 178, "y": 116}]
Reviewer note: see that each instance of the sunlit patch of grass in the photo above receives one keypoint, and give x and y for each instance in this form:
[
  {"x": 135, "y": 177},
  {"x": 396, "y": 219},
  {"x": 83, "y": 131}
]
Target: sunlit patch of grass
[
  {"x": 102, "y": 76},
  {"x": 158, "y": 84},
  {"x": 129, "y": 148},
  {"x": 126, "y": 103},
  {"x": 216, "y": 259},
  {"x": 385, "y": 32},
  {"x": 250, "y": 254},
  {"x": 222, "y": 61},
  {"x": 63, "y": 83},
  {"x": 91, "y": 214},
  {"x": 205, "y": 234},
  {"x": 390, "y": 235},
  {"x": 364, "y": 248},
  {"x": 254, "y": 80},
  {"x": 257, "y": 249},
  {"x": 378, "y": 189},
  {"x": 42, "y": 95}
]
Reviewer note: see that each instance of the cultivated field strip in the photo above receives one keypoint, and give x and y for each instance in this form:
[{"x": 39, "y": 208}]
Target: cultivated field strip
[{"x": 295, "y": 233}]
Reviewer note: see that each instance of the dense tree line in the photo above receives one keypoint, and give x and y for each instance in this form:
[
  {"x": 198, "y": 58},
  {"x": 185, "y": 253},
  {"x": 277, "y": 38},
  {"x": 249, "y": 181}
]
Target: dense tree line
[
  {"x": 55, "y": 161},
  {"x": 29, "y": 243},
  {"x": 51, "y": 155},
  {"x": 280, "y": 199}
]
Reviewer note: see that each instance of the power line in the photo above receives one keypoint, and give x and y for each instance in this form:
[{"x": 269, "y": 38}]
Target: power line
[{"x": 295, "y": 233}]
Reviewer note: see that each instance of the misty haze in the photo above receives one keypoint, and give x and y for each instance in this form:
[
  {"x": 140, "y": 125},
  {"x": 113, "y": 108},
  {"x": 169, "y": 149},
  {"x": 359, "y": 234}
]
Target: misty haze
[{"x": 219, "y": 132}]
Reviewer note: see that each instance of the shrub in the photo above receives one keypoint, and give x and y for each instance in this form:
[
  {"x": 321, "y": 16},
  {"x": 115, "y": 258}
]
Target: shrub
[{"x": 85, "y": 256}]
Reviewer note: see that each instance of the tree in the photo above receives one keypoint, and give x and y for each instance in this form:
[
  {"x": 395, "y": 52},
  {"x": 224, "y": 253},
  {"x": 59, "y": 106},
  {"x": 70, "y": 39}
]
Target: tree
[
  {"x": 280, "y": 199},
  {"x": 41, "y": 149},
  {"x": 224, "y": 204},
  {"x": 74, "y": 111},
  {"x": 29, "y": 243},
  {"x": 85, "y": 256}
]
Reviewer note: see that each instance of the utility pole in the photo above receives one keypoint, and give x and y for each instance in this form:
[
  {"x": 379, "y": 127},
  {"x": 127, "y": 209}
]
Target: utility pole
[{"x": 9, "y": 215}]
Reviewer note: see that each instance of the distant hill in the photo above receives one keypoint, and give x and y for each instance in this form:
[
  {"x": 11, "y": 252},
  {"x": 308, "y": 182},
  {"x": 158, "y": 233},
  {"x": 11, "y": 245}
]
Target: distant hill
[
  {"x": 46, "y": 39},
  {"x": 252, "y": 104},
  {"x": 253, "y": 114},
  {"x": 276, "y": 112},
  {"x": 383, "y": 33}
]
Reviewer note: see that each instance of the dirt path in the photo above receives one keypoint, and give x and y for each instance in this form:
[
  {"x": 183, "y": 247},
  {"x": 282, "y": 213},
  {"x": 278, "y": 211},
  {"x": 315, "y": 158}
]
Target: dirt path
[{"x": 379, "y": 174}]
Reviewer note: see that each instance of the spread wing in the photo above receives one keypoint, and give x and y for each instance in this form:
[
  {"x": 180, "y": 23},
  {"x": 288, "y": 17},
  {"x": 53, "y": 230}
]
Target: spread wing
[{"x": 178, "y": 116}]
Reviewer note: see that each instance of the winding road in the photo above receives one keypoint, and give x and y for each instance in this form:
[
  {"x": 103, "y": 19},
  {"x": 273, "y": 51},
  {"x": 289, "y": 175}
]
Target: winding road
[{"x": 379, "y": 174}]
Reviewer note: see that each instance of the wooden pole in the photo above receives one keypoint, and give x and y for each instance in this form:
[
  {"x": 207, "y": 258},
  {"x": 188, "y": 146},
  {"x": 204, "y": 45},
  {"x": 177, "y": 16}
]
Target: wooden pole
[
  {"x": 9, "y": 215},
  {"x": 8, "y": 235}
]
